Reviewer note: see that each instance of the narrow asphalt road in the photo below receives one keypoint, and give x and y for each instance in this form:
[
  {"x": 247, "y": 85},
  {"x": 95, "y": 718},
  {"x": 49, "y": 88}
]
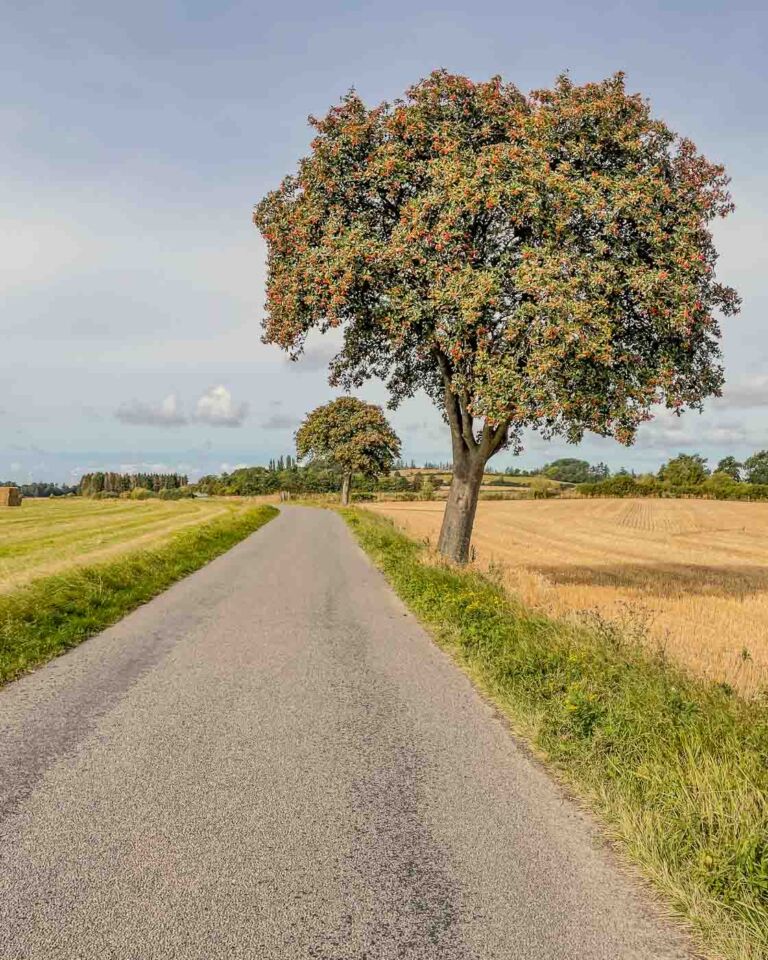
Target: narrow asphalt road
[{"x": 272, "y": 760}]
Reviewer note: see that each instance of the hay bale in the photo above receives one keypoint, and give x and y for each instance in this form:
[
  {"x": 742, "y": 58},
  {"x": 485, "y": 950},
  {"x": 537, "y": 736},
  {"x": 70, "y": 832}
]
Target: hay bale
[{"x": 10, "y": 497}]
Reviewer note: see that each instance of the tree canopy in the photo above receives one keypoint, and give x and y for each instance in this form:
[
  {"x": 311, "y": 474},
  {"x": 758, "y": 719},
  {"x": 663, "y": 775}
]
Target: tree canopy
[
  {"x": 352, "y": 434},
  {"x": 111, "y": 482},
  {"x": 684, "y": 470},
  {"x": 539, "y": 260},
  {"x": 756, "y": 467},
  {"x": 573, "y": 470},
  {"x": 731, "y": 467}
]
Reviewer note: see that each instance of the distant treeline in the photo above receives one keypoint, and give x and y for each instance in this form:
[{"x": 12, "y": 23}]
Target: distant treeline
[
  {"x": 684, "y": 475},
  {"x": 286, "y": 474},
  {"x": 40, "y": 489},
  {"x": 257, "y": 481},
  {"x": 687, "y": 475},
  {"x": 566, "y": 470},
  {"x": 713, "y": 488},
  {"x": 93, "y": 484}
]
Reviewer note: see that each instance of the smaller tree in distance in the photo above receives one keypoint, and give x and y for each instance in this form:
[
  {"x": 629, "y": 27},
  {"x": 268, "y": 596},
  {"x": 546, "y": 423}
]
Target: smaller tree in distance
[
  {"x": 731, "y": 467},
  {"x": 353, "y": 435},
  {"x": 568, "y": 469},
  {"x": 572, "y": 470},
  {"x": 685, "y": 469},
  {"x": 756, "y": 467}
]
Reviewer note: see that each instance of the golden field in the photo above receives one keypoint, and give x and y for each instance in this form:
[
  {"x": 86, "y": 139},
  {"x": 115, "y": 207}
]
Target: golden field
[
  {"x": 691, "y": 575},
  {"x": 46, "y": 536}
]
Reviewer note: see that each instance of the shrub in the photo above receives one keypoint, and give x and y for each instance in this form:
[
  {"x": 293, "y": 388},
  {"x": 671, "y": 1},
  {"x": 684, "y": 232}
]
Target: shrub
[
  {"x": 427, "y": 491},
  {"x": 648, "y": 483},
  {"x": 720, "y": 481},
  {"x": 622, "y": 485},
  {"x": 542, "y": 488},
  {"x": 178, "y": 493}
]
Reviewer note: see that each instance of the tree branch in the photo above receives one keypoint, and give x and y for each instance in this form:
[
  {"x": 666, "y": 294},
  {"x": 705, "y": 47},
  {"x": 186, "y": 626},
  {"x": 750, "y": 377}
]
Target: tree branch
[
  {"x": 467, "y": 423},
  {"x": 458, "y": 417},
  {"x": 493, "y": 438}
]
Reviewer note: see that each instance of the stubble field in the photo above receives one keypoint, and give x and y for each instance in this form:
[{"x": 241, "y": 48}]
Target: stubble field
[{"x": 689, "y": 575}]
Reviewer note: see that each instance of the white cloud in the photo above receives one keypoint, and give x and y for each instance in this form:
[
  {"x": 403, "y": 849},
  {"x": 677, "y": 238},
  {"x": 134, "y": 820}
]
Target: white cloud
[
  {"x": 667, "y": 432},
  {"x": 217, "y": 409},
  {"x": 166, "y": 414},
  {"x": 214, "y": 408},
  {"x": 748, "y": 392}
]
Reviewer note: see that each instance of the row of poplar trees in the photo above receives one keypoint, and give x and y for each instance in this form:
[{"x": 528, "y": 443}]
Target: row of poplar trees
[{"x": 110, "y": 482}]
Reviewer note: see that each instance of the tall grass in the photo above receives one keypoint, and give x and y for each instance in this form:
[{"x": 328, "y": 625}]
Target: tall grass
[
  {"x": 676, "y": 768},
  {"x": 52, "y": 614}
]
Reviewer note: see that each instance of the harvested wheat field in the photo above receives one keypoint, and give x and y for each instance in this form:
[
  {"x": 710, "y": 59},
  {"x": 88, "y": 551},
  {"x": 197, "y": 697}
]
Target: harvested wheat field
[
  {"x": 691, "y": 575},
  {"x": 47, "y": 536}
]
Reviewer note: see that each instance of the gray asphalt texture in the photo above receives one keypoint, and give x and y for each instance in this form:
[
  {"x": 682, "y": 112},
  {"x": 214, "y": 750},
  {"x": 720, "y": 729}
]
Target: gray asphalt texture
[{"x": 273, "y": 760}]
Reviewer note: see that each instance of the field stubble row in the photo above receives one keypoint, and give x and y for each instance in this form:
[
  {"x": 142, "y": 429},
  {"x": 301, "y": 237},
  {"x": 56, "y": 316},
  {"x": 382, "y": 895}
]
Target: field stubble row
[{"x": 688, "y": 575}]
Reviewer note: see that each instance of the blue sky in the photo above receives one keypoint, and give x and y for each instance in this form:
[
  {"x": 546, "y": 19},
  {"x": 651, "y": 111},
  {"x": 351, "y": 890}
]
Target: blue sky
[{"x": 137, "y": 137}]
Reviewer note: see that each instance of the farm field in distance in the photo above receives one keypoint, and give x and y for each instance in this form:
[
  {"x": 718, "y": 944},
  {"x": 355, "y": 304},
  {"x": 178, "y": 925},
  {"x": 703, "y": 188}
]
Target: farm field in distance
[
  {"x": 691, "y": 575},
  {"x": 46, "y": 536},
  {"x": 497, "y": 485}
]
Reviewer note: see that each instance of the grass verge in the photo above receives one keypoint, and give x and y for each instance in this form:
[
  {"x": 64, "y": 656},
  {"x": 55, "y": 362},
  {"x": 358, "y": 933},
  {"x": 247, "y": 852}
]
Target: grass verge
[
  {"x": 52, "y": 614},
  {"x": 676, "y": 768}
]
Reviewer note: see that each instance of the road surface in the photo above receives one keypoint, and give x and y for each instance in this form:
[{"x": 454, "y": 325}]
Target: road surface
[{"x": 272, "y": 760}]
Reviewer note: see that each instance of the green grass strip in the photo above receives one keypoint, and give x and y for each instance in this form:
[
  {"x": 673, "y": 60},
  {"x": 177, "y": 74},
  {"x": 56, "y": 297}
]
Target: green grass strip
[
  {"x": 52, "y": 614},
  {"x": 677, "y": 769}
]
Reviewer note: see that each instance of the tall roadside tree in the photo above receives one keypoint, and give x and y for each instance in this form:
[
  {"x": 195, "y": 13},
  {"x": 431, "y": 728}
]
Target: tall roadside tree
[
  {"x": 353, "y": 435},
  {"x": 536, "y": 261}
]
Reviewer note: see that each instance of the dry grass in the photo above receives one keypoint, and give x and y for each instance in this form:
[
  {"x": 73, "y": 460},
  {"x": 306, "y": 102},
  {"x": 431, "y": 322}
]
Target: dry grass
[
  {"x": 691, "y": 575},
  {"x": 46, "y": 536}
]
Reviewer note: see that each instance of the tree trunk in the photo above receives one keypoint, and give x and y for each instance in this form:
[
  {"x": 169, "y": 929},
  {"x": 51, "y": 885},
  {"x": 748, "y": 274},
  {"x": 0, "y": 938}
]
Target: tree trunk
[
  {"x": 472, "y": 449},
  {"x": 459, "y": 516},
  {"x": 346, "y": 483}
]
